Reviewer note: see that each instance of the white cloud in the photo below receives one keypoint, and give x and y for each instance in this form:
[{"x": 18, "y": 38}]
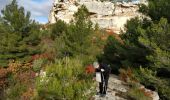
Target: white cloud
[{"x": 39, "y": 8}]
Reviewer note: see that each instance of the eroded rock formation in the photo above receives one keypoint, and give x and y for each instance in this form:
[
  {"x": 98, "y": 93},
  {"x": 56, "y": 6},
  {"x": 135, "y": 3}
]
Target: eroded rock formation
[{"x": 107, "y": 14}]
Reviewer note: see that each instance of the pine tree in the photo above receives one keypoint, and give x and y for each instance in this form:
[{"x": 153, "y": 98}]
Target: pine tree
[
  {"x": 157, "y": 9},
  {"x": 77, "y": 40},
  {"x": 146, "y": 47},
  {"x": 18, "y": 32},
  {"x": 157, "y": 38}
]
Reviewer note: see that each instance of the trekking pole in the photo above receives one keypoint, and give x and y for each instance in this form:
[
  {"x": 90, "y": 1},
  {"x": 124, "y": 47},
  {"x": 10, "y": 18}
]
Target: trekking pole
[{"x": 104, "y": 87}]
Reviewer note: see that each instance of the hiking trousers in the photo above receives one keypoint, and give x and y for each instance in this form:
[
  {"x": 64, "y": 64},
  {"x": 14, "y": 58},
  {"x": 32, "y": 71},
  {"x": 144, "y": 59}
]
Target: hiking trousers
[{"x": 103, "y": 86}]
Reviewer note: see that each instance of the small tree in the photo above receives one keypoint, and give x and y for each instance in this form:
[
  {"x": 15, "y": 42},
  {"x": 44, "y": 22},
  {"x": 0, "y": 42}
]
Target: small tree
[
  {"x": 76, "y": 40},
  {"x": 16, "y": 18},
  {"x": 19, "y": 34}
]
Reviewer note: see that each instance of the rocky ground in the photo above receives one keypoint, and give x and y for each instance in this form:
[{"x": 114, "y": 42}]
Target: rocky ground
[
  {"x": 117, "y": 90},
  {"x": 115, "y": 86}
]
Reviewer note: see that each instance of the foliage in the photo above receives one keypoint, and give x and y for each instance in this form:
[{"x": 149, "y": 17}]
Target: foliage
[
  {"x": 134, "y": 51},
  {"x": 19, "y": 38},
  {"x": 132, "y": 33},
  {"x": 127, "y": 76},
  {"x": 12, "y": 16},
  {"x": 148, "y": 76},
  {"x": 65, "y": 79},
  {"x": 135, "y": 91},
  {"x": 127, "y": 51},
  {"x": 90, "y": 69},
  {"x": 15, "y": 91},
  {"x": 157, "y": 9},
  {"x": 151, "y": 81},
  {"x": 79, "y": 39},
  {"x": 20, "y": 80},
  {"x": 145, "y": 47},
  {"x": 156, "y": 37},
  {"x": 156, "y": 34},
  {"x": 38, "y": 64},
  {"x": 76, "y": 39},
  {"x": 4, "y": 73},
  {"x": 3, "y": 78},
  {"x": 112, "y": 54},
  {"x": 58, "y": 28},
  {"x": 28, "y": 47},
  {"x": 28, "y": 95},
  {"x": 137, "y": 94},
  {"x": 154, "y": 41}
]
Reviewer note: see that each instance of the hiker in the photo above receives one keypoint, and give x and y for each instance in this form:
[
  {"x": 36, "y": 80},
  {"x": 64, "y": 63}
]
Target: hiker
[{"x": 102, "y": 76}]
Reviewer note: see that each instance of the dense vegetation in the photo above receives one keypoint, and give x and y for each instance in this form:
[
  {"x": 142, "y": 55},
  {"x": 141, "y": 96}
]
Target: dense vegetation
[
  {"x": 40, "y": 61},
  {"x": 145, "y": 48},
  {"x": 65, "y": 79},
  {"x": 37, "y": 59}
]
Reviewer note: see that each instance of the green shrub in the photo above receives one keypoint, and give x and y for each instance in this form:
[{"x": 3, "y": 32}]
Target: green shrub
[
  {"x": 136, "y": 94},
  {"x": 149, "y": 78},
  {"x": 15, "y": 92},
  {"x": 65, "y": 79},
  {"x": 37, "y": 64}
]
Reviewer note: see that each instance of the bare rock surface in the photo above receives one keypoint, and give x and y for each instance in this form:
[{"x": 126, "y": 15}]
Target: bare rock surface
[
  {"x": 117, "y": 90},
  {"x": 107, "y": 14}
]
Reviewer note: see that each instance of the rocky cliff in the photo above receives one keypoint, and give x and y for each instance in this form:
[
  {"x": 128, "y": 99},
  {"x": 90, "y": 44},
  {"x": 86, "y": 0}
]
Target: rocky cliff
[{"x": 108, "y": 15}]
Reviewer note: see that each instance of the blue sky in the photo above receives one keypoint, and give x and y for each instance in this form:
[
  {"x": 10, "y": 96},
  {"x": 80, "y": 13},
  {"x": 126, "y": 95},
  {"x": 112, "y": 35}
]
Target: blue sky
[{"x": 39, "y": 8}]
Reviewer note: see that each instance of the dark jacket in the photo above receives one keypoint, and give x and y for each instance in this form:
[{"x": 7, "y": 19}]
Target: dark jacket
[{"x": 106, "y": 71}]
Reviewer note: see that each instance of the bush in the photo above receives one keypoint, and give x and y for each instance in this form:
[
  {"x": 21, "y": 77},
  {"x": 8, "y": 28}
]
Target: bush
[
  {"x": 65, "y": 79},
  {"x": 37, "y": 64},
  {"x": 151, "y": 81},
  {"x": 20, "y": 80},
  {"x": 127, "y": 75},
  {"x": 137, "y": 94},
  {"x": 14, "y": 92}
]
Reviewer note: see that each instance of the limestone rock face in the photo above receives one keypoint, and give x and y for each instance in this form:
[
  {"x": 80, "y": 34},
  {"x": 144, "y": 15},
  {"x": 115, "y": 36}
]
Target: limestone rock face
[
  {"x": 99, "y": 8},
  {"x": 108, "y": 15}
]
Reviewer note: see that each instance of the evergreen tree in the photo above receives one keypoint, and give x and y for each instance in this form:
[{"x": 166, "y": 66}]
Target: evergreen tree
[
  {"x": 58, "y": 28},
  {"x": 146, "y": 47},
  {"x": 15, "y": 17},
  {"x": 157, "y": 38},
  {"x": 130, "y": 52},
  {"x": 19, "y": 34},
  {"x": 157, "y": 9},
  {"x": 77, "y": 40}
]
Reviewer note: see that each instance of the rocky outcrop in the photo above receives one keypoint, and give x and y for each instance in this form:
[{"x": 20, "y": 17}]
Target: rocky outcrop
[
  {"x": 118, "y": 89},
  {"x": 107, "y": 14}
]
